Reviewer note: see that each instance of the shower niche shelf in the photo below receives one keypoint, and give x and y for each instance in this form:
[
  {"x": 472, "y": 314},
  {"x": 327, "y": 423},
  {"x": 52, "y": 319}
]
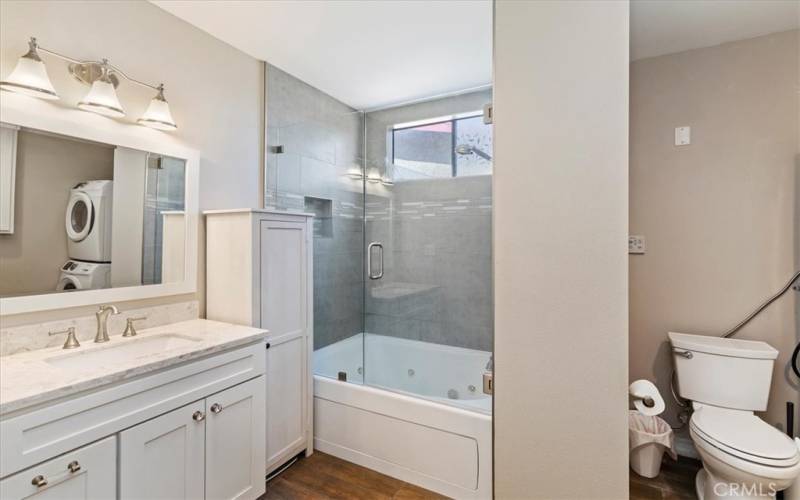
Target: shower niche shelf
[{"x": 322, "y": 209}]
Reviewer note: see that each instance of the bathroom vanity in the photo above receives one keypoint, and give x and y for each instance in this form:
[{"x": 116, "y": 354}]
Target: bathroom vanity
[
  {"x": 174, "y": 412},
  {"x": 180, "y": 409}
]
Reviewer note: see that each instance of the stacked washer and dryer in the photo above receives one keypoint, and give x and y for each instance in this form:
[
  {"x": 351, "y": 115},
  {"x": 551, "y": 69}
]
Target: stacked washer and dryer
[{"x": 88, "y": 225}]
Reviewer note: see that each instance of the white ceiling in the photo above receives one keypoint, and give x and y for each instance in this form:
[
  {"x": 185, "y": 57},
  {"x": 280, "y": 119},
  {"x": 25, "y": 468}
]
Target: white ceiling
[
  {"x": 371, "y": 54},
  {"x": 661, "y": 27},
  {"x": 367, "y": 54}
]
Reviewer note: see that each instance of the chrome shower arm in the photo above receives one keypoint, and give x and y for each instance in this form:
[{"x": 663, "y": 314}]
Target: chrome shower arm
[{"x": 766, "y": 304}]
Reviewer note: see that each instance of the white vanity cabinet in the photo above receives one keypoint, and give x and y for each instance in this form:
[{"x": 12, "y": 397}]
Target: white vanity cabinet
[
  {"x": 259, "y": 273},
  {"x": 189, "y": 430},
  {"x": 88, "y": 473},
  {"x": 208, "y": 448}
]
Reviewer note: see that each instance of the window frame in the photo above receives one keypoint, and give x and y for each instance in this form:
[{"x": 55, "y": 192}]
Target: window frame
[{"x": 452, "y": 120}]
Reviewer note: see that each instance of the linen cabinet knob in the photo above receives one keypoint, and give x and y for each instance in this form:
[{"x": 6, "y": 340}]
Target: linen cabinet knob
[
  {"x": 216, "y": 408},
  {"x": 74, "y": 466},
  {"x": 198, "y": 416},
  {"x": 39, "y": 481}
]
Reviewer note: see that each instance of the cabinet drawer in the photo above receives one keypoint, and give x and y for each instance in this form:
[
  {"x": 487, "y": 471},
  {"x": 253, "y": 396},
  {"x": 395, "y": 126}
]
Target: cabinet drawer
[
  {"x": 35, "y": 436},
  {"x": 88, "y": 473}
]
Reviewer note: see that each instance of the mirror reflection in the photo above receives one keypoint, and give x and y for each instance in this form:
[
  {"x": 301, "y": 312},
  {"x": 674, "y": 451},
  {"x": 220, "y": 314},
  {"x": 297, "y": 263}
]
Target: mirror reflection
[{"x": 81, "y": 215}]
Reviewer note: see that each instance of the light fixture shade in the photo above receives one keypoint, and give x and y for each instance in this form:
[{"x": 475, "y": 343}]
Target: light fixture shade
[
  {"x": 158, "y": 115},
  {"x": 30, "y": 77},
  {"x": 102, "y": 99}
]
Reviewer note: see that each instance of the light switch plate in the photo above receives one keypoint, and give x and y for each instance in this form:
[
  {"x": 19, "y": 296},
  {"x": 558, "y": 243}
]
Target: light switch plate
[
  {"x": 636, "y": 244},
  {"x": 683, "y": 136}
]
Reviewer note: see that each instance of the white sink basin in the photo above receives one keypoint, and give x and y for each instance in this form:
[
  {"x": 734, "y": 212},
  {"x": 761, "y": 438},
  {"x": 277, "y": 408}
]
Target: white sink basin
[{"x": 121, "y": 350}]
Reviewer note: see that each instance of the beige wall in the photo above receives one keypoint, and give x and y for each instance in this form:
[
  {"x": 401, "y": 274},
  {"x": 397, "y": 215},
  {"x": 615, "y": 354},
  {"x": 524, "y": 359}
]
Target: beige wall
[
  {"x": 215, "y": 91},
  {"x": 719, "y": 215},
  {"x": 47, "y": 168},
  {"x": 560, "y": 222}
]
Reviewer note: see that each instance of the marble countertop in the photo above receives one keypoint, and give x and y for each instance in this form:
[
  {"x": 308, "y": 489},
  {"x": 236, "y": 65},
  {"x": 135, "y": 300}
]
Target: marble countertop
[{"x": 35, "y": 377}]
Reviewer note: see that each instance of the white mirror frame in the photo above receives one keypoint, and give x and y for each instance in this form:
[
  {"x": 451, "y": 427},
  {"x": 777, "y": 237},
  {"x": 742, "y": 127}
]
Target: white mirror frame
[{"x": 42, "y": 115}]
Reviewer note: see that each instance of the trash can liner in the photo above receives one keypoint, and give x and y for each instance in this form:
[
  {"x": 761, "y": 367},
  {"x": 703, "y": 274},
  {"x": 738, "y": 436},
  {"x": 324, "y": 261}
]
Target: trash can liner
[{"x": 645, "y": 429}]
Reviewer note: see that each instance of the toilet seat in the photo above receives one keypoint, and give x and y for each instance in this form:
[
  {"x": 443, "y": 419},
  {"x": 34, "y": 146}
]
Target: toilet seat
[{"x": 745, "y": 436}]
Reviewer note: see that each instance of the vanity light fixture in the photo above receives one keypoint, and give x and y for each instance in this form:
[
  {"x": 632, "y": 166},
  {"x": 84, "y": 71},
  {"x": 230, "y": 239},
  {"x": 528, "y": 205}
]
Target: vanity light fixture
[
  {"x": 157, "y": 115},
  {"x": 102, "y": 98},
  {"x": 30, "y": 78}
]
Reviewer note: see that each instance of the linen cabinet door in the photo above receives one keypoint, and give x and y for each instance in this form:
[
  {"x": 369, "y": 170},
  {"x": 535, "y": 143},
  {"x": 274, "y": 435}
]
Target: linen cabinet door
[
  {"x": 284, "y": 289},
  {"x": 286, "y": 398},
  {"x": 164, "y": 457},
  {"x": 88, "y": 473},
  {"x": 235, "y": 442}
]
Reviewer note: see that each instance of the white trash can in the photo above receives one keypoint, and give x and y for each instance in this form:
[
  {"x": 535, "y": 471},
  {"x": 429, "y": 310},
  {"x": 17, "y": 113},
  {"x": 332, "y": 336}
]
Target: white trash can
[{"x": 649, "y": 438}]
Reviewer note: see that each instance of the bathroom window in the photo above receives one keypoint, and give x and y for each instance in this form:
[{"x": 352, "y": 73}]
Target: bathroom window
[{"x": 455, "y": 147}]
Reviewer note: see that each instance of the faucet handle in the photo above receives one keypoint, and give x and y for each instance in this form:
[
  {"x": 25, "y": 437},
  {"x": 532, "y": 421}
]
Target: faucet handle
[
  {"x": 130, "y": 328},
  {"x": 72, "y": 340}
]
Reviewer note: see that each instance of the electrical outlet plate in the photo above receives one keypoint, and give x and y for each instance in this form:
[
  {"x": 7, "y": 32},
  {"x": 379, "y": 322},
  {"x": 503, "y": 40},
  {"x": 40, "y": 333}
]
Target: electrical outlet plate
[{"x": 636, "y": 244}]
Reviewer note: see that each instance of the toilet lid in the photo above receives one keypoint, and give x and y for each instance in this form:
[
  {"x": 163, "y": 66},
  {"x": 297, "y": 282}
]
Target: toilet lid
[{"x": 745, "y": 433}]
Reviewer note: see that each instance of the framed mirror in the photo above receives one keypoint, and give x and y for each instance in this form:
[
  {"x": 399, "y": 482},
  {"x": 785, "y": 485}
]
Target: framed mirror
[{"x": 91, "y": 210}]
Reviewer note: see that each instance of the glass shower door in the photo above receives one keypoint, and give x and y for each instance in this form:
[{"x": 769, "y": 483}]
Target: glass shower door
[{"x": 428, "y": 293}]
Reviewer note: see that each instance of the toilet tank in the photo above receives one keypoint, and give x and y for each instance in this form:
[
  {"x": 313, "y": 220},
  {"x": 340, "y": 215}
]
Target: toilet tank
[{"x": 728, "y": 373}]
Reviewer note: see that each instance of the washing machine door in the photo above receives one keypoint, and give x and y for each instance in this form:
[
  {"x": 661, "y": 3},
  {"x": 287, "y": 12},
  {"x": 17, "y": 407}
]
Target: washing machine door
[
  {"x": 80, "y": 216},
  {"x": 68, "y": 283}
]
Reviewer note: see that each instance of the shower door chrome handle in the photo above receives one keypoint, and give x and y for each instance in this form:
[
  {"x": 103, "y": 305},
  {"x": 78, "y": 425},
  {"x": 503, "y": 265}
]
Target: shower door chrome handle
[{"x": 379, "y": 274}]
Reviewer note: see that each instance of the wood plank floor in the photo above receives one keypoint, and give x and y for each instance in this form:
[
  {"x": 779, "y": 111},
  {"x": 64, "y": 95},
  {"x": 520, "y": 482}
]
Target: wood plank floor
[
  {"x": 675, "y": 482},
  {"x": 322, "y": 476}
]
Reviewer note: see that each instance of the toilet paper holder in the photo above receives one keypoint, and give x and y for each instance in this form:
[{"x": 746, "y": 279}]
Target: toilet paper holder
[{"x": 646, "y": 398}]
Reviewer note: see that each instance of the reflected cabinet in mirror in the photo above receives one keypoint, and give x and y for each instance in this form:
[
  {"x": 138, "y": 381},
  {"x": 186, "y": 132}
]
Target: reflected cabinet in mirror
[{"x": 83, "y": 215}]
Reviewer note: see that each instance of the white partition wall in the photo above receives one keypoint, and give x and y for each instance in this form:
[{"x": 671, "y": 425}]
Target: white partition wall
[{"x": 560, "y": 249}]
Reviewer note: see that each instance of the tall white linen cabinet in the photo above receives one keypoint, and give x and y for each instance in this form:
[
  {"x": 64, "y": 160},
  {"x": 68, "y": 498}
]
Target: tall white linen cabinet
[{"x": 259, "y": 272}]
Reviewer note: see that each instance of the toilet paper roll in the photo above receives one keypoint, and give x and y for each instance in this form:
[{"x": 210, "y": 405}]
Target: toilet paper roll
[{"x": 640, "y": 391}]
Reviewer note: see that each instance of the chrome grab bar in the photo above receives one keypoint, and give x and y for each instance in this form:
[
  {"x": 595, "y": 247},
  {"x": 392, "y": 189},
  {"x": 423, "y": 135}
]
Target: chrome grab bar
[{"x": 379, "y": 275}]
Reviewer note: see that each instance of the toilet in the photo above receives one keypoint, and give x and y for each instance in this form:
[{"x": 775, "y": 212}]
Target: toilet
[{"x": 727, "y": 380}]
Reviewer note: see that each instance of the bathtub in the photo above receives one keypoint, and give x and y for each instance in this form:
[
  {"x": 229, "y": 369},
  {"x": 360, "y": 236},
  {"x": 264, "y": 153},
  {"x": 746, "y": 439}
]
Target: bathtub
[{"x": 421, "y": 416}]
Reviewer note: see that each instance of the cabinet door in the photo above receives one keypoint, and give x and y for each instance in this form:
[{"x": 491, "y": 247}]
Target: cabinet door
[
  {"x": 234, "y": 442},
  {"x": 286, "y": 398},
  {"x": 164, "y": 457},
  {"x": 283, "y": 277},
  {"x": 86, "y": 473},
  {"x": 284, "y": 312}
]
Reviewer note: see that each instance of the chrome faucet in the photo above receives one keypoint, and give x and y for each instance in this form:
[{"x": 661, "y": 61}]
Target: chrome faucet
[{"x": 102, "y": 322}]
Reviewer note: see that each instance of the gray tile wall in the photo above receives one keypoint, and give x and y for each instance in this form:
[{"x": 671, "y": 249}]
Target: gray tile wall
[{"x": 321, "y": 140}]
